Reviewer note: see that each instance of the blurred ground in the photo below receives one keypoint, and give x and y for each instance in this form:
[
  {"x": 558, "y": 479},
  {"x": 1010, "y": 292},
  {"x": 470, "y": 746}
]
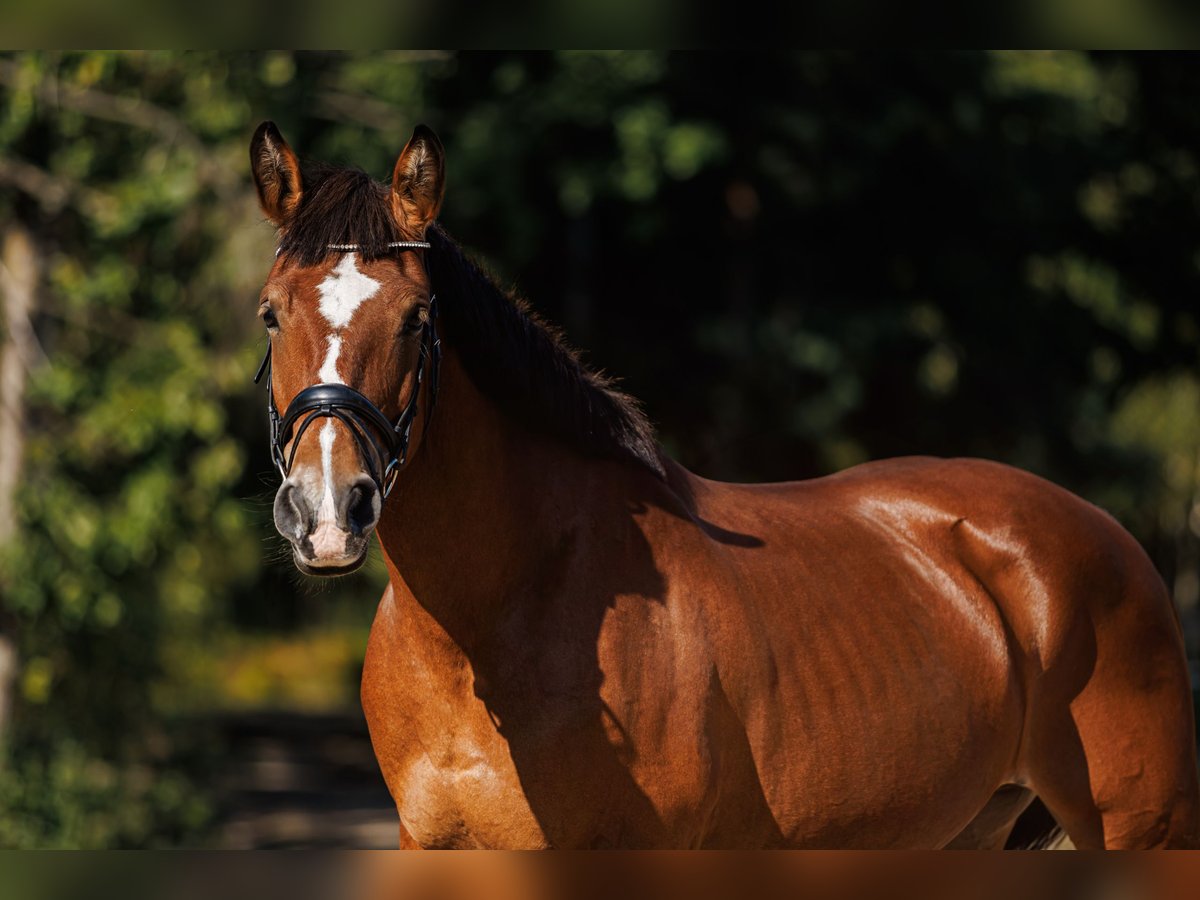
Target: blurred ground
[{"x": 301, "y": 780}]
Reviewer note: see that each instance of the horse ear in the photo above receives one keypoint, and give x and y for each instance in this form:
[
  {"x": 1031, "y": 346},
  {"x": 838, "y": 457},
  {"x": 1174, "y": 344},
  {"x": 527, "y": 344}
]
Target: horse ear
[
  {"x": 276, "y": 173},
  {"x": 419, "y": 182}
]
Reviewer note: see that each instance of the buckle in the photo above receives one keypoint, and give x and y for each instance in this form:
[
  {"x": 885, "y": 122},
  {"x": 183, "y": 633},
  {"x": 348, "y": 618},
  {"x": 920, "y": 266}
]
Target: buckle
[{"x": 389, "y": 477}]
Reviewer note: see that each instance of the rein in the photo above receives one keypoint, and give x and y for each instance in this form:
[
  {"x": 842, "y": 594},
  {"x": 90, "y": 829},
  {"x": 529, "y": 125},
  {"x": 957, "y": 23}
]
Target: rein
[{"x": 384, "y": 443}]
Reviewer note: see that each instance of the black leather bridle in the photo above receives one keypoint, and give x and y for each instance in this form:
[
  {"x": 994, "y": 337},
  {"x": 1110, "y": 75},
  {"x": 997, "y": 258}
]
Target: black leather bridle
[{"x": 384, "y": 443}]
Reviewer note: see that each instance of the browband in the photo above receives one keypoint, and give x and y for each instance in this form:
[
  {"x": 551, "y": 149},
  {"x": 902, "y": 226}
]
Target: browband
[{"x": 354, "y": 248}]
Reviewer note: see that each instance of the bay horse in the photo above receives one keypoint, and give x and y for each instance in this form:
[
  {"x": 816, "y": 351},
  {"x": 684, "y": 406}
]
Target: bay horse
[{"x": 583, "y": 644}]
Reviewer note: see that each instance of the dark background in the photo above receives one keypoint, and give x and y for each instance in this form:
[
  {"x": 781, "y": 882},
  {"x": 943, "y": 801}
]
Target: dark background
[{"x": 798, "y": 262}]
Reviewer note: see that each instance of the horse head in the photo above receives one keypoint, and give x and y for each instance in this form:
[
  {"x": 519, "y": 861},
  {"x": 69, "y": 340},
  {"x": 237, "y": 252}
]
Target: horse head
[{"x": 353, "y": 349}]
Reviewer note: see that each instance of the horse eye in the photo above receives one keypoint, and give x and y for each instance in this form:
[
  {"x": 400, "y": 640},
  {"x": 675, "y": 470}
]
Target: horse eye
[
  {"x": 415, "y": 322},
  {"x": 268, "y": 317}
]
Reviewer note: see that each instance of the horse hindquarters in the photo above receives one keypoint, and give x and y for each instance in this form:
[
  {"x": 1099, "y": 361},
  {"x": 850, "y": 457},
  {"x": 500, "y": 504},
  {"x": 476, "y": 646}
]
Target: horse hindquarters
[
  {"x": 1116, "y": 764},
  {"x": 1110, "y": 739}
]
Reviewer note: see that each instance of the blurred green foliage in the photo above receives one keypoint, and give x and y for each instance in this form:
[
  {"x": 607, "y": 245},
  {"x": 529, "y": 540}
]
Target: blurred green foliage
[{"x": 799, "y": 261}]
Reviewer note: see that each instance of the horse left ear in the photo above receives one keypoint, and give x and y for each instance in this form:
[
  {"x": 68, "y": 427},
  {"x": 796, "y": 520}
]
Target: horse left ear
[{"x": 419, "y": 182}]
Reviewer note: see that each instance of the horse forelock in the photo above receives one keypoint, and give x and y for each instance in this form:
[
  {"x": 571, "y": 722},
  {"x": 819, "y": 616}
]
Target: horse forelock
[{"x": 339, "y": 206}]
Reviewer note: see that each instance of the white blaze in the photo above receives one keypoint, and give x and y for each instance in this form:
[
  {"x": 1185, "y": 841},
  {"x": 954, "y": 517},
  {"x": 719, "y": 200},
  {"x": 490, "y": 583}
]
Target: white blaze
[
  {"x": 328, "y": 511},
  {"x": 329, "y": 373},
  {"x": 342, "y": 292},
  {"x": 328, "y": 541}
]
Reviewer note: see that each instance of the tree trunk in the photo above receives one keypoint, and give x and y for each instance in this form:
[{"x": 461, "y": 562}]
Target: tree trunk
[{"x": 19, "y": 272}]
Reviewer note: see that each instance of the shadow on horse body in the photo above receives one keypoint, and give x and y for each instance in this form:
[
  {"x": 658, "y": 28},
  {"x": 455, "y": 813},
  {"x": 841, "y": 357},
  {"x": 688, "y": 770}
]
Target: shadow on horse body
[{"x": 584, "y": 645}]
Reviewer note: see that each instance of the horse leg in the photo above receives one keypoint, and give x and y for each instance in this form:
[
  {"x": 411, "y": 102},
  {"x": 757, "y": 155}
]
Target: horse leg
[
  {"x": 990, "y": 829},
  {"x": 1114, "y": 759},
  {"x": 1134, "y": 788}
]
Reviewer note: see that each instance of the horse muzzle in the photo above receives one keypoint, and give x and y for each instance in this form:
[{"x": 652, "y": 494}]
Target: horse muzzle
[{"x": 329, "y": 530}]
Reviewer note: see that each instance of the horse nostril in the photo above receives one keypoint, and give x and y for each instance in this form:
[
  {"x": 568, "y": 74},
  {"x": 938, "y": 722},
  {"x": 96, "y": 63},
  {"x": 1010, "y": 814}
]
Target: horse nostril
[
  {"x": 292, "y": 516},
  {"x": 362, "y": 506}
]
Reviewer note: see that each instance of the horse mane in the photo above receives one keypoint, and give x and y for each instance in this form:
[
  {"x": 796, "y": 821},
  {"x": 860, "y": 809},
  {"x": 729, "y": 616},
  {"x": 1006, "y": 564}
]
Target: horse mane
[{"x": 510, "y": 353}]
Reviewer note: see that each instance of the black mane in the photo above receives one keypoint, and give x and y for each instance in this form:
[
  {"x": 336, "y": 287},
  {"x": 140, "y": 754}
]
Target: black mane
[{"x": 509, "y": 352}]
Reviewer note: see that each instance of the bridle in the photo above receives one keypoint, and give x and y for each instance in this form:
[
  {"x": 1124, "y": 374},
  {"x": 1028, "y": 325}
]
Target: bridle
[{"x": 384, "y": 443}]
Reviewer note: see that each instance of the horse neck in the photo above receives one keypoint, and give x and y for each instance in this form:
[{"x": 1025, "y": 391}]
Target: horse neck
[{"x": 472, "y": 515}]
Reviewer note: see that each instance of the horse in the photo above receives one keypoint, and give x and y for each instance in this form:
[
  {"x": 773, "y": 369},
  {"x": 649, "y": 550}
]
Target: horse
[{"x": 584, "y": 645}]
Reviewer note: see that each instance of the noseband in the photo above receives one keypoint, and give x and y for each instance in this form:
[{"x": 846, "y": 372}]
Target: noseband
[{"x": 384, "y": 443}]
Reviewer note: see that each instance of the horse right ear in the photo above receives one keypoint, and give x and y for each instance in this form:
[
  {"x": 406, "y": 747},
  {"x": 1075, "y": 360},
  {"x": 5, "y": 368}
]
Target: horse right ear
[{"x": 276, "y": 173}]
